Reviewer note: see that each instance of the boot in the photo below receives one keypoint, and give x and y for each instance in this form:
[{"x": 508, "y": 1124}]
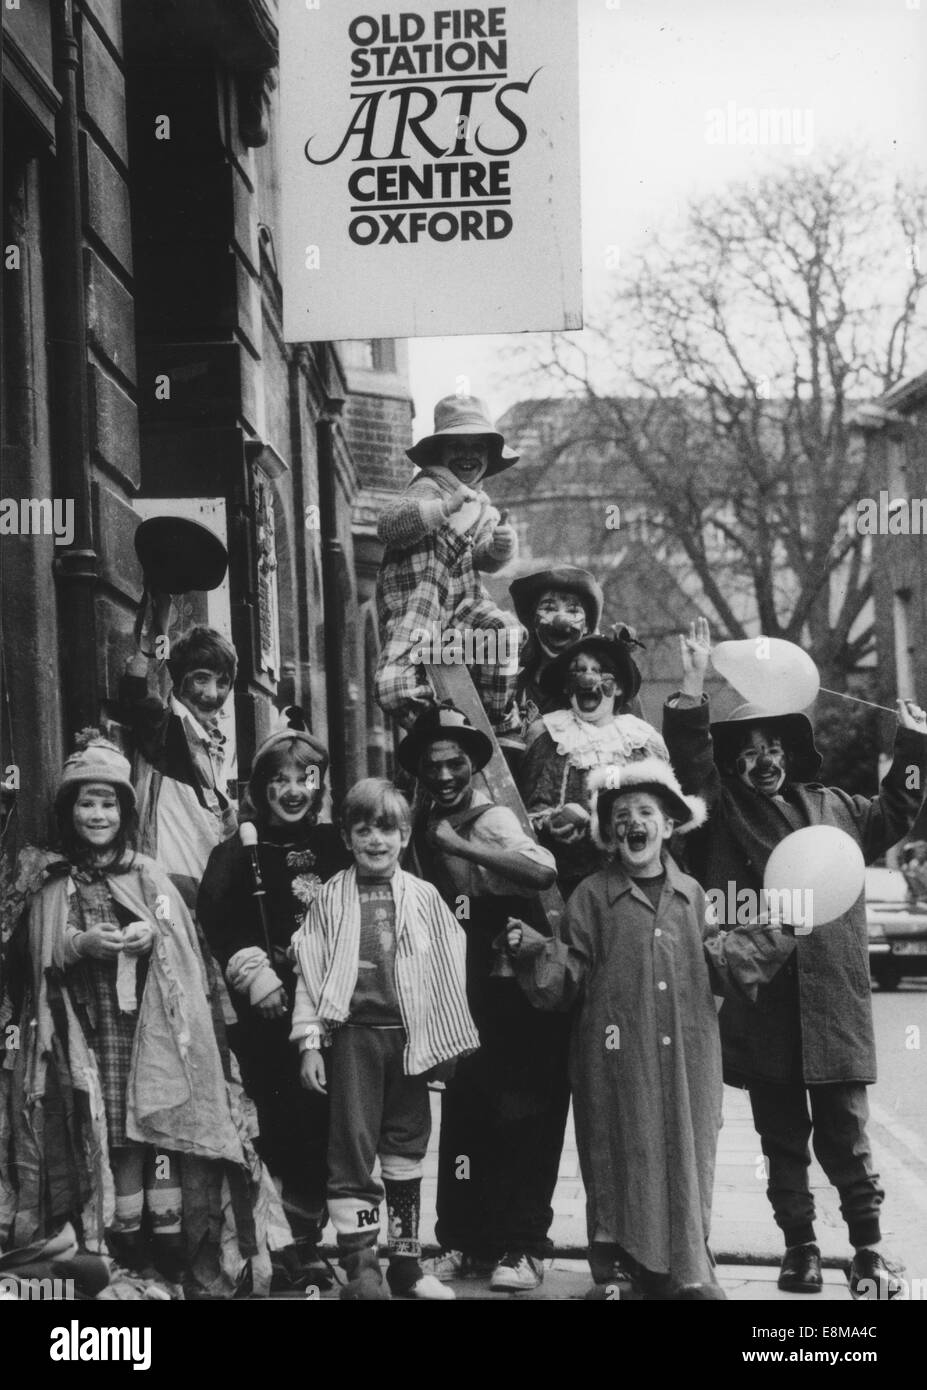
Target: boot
[
  {"x": 169, "y": 1258},
  {"x": 128, "y": 1249},
  {"x": 365, "y": 1278}
]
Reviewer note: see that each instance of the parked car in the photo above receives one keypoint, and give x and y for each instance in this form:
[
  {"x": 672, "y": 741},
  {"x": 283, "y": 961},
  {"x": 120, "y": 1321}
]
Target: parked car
[{"x": 897, "y": 928}]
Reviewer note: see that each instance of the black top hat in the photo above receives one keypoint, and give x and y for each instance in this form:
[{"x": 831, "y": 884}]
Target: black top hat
[
  {"x": 438, "y": 722},
  {"x": 528, "y": 589},
  {"x": 178, "y": 555},
  {"x": 795, "y": 731},
  {"x": 612, "y": 650}
]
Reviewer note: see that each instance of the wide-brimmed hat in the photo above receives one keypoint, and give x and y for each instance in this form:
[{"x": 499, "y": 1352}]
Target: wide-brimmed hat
[
  {"x": 439, "y": 722},
  {"x": 794, "y": 730},
  {"x": 526, "y": 591},
  {"x": 95, "y": 759},
  {"x": 610, "y": 649},
  {"x": 178, "y": 555},
  {"x": 645, "y": 775},
  {"x": 460, "y": 415}
]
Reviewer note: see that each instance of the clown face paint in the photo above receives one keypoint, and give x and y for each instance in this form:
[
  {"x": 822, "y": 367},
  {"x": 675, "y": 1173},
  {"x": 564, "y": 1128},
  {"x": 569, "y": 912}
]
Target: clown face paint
[
  {"x": 593, "y": 690},
  {"x": 559, "y": 620},
  {"x": 292, "y": 793},
  {"x": 761, "y": 762},
  {"x": 467, "y": 457},
  {"x": 639, "y": 826},
  {"x": 203, "y": 693}
]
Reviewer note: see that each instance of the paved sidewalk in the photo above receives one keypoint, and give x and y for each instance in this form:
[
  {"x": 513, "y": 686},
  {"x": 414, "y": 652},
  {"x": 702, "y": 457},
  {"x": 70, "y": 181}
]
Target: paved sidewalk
[{"x": 745, "y": 1240}]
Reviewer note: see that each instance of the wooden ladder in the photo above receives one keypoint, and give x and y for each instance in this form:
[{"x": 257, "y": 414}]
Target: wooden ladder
[{"x": 453, "y": 682}]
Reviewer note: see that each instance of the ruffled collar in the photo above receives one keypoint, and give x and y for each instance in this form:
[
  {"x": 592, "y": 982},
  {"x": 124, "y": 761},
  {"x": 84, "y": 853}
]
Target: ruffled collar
[{"x": 592, "y": 745}]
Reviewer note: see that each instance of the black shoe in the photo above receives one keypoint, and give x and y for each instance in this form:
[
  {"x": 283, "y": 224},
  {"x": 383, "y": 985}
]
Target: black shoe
[
  {"x": 801, "y": 1270},
  {"x": 129, "y": 1249},
  {"x": 872, "y": 1278}
]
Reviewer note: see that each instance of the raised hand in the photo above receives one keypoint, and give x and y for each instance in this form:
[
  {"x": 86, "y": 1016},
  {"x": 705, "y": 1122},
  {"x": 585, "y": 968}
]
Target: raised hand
[
  {"x": 911, "y": 716},
  {"x": 696, "y": 651}
]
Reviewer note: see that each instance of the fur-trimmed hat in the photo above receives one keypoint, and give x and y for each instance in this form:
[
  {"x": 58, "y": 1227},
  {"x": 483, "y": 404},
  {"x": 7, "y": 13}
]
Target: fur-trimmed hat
[
  {"x": 95, "y": 759},
  {"x": 464, "y": 415},
  {"x": 645, "y": 775}
]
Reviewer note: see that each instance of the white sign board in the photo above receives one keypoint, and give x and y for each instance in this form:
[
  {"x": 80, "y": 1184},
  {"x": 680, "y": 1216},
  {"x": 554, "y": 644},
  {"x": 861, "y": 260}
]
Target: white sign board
[{"x": 430, "y": 168}]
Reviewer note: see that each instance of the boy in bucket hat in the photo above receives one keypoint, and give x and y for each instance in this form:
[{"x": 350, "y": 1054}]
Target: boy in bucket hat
[
  {"x": 438, "y": 535},
  {"x": 645, "y": 1057},
  {"x": 806, "y": 1052}
]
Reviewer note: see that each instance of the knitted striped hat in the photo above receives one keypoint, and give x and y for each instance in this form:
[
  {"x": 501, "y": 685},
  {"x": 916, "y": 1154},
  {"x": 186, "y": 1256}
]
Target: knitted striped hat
[{"x": 95, "y": 759}]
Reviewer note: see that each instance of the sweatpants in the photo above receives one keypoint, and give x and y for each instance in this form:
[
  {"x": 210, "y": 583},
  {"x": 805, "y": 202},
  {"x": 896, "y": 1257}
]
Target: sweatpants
[
  {"x": 376, "y": 1110},
  {"x": 834, "y": 1117}
]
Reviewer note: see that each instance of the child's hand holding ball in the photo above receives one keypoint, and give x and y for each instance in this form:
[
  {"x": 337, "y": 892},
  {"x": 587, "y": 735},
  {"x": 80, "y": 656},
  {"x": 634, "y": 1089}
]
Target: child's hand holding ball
[{"x": 138, "y": 939}]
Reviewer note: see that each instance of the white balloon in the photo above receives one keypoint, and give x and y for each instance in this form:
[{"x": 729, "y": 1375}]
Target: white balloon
[
  {"x": 769, "y": 672},
  {"x": 818, "y": 873}
]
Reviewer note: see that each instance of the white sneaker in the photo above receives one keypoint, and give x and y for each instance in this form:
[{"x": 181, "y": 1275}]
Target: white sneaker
[
  {"x": 446, "y": 1265},
  {"x": 516, "y": 1272},
  {"x": 431, "y": 1289}
]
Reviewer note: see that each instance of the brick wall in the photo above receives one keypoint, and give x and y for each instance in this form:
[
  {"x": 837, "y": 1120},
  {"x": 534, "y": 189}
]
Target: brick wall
[{"x": 379, "y": 430}]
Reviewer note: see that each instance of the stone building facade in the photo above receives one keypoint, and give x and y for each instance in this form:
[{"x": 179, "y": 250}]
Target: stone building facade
[{"x": 145, "y": 374}]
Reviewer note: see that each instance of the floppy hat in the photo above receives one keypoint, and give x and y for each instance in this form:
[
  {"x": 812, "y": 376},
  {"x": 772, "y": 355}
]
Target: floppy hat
[
  {"x": 439, "y": 722},
  {"x": 526, "y": 591},
  {"x": 645, "y": 775},
  {"x": 464, "y": 415},
  {"x": 612, "y": 649},
  {"x": 795, "y": 731}
]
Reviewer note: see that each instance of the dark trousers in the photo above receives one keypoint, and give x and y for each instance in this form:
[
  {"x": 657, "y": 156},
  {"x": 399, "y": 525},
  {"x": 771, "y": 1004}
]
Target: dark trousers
[
  {"x": 834, "y": 1117},
  {"x": 293, "y": 1122},
  {"x": 496, "y": 1172}
]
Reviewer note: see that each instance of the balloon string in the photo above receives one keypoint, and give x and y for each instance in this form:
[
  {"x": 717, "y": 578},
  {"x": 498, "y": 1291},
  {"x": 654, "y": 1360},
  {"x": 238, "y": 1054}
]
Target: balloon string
[{"x": 841, "y": 695}]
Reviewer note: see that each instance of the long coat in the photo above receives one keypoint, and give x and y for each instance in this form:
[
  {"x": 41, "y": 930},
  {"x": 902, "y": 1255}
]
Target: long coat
[
  {"x": 813, "y": 1022},
  {"x": 645, "y": 1058}
]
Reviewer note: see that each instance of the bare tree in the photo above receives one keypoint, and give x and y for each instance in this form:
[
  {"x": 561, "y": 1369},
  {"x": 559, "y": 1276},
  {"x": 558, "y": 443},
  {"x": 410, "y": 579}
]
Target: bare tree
[{"x": 716, "y": 392}]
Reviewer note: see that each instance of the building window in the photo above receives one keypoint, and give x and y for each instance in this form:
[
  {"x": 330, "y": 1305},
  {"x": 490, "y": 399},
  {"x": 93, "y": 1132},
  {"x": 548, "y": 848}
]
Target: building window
[{"x": 370, "y": 354}]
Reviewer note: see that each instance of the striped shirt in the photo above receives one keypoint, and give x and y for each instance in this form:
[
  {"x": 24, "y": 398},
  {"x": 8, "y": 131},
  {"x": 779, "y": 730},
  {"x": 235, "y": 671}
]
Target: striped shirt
[{"x": 430, "y": 970}]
